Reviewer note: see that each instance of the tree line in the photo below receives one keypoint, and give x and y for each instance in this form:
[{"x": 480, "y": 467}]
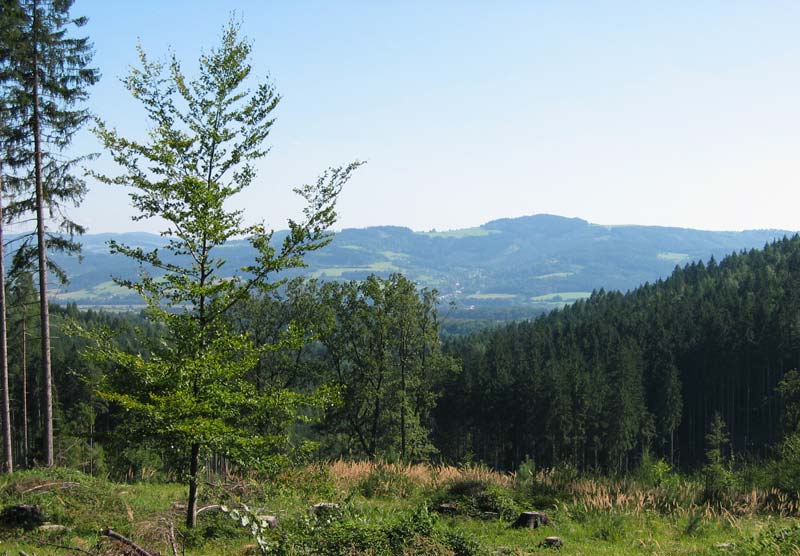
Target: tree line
[{"x": 606, "y": 379}]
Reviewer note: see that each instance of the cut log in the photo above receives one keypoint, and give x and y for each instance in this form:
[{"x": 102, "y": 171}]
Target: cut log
[
  {"x": 532, "y": 520},
  {"x": 52, "y": 528}
]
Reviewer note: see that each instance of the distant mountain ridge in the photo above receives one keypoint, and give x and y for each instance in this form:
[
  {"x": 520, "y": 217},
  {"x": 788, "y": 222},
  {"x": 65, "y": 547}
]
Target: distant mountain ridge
[{"x": 537, "y": 261}]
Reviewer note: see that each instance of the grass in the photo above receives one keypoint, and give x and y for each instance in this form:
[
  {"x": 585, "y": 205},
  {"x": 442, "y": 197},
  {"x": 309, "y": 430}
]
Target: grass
[
  {"x": 101, "y": 291},
  {"x": 394, "y": 256},
  {"x": 387, "y": 509},
  {"x": 338, "y": 271},
  {"x": 492, "y": 296}
]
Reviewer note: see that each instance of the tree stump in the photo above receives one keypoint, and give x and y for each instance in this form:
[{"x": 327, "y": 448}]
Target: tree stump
[
  {"x": 553, "y": 542},
  {"x": 447, "y": 508},
  {"x": 270, "y": 520},
  {"x": 531, "y": 520},
  {"x": 324, "y": 510},
  {"x": 25, "y": 516}
]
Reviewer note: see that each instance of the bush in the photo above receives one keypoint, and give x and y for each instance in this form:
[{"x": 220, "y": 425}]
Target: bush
[
  {"x": 652, "y": 472},
  {"x": 477, "y": 498},
  {"x": 413, "y": 532},
  {"x": 384, "y": 482},
  {"x": 787, "y": 468},
  {"x": 608, "y": 527},
  {"x": 718, "y": 482}
]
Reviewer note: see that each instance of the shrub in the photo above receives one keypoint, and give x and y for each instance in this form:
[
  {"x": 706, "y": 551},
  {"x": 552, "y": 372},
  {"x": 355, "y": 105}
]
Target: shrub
[
  {"x": 652, "y": 472},
  {"x": 476, "y": 498},
  {"x": 384, "y": 482},
  {"x": 787, "y": 468},
  {"x": 608, "y": 527}
]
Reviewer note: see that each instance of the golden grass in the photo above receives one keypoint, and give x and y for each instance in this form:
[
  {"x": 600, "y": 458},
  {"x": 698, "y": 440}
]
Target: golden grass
[
  {"x": 581, "y": 494},
  {"x": 680, "y": 497},
  {"x": 347, "y": 474}
]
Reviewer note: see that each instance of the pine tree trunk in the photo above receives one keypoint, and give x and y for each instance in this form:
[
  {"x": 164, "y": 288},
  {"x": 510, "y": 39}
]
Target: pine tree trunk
[
  {"x": 47, "y": 376},
  {"x": 7, "y": 451},
  {"x": 25, "y": 448}
]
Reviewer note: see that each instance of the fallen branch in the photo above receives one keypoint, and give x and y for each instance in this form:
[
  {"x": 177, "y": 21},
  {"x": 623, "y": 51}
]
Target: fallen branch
[
  {"x": 208, "y": 508},
  {"x": 108, "y": 532},
  {"x": 65, "y": 547},
  {"x": 45, "y": 485},
  {"x": 172, "y": 542}
]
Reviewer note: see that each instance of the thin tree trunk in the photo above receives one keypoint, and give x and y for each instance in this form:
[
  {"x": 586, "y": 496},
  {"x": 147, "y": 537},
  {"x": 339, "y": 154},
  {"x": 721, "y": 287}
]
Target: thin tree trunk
[
  {"x": 47, "y": 376},
  {"x": 191, "y": 507},
  {"x": 9, "y": 458},
  {"x": 25, "y": 448}
]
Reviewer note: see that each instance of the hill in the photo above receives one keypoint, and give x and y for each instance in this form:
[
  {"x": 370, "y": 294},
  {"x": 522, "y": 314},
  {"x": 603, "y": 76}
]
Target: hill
[
  {"x": 611, "y": 378},
  {"x": 533, "y": 262}
]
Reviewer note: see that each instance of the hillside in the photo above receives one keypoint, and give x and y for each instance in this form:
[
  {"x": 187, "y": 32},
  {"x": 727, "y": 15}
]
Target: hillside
[
  {"x": 615, "y": 376},
  {"x": 535, "y": 262}
]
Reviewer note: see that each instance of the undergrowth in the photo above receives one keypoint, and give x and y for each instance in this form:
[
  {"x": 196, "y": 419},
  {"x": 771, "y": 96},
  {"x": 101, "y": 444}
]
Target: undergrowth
[{"x": 393, "y": 509}]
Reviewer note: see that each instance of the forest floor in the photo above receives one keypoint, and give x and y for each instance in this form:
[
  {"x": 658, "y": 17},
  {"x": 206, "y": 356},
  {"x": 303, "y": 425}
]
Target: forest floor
[{"x": 385, "y": 509}]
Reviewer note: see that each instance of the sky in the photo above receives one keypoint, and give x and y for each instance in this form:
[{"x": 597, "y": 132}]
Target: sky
[{"x": 654, "y": 113}]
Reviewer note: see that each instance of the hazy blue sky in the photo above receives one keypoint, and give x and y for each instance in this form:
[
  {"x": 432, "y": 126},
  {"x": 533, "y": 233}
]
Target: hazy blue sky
[{"x": 668, "y": 113}]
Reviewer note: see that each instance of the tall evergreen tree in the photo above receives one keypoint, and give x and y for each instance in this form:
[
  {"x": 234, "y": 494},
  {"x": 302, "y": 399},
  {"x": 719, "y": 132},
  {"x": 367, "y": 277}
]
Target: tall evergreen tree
[
  {"x": 45, "y": 78},
  {"x": 6, "y": 403}
]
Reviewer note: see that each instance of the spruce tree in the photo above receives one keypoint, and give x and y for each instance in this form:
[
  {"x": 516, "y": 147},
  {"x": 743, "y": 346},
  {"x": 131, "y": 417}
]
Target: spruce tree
[
  {"x": 6, "y": 403},
  {"x": 45, "y": 76}
]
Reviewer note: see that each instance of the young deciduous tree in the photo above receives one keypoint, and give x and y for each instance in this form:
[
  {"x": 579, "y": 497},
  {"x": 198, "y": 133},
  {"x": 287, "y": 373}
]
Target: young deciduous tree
[
  {"x": 191, "y": 392},
  {"x": 385, "y": 357},
  {"x": 44, "y": 76}
]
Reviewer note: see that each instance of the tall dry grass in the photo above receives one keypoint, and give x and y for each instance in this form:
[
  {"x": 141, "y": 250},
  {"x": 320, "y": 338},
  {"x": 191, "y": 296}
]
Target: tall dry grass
[
  {"x": 577, "y": 494},
  {"x": 348, "y": 474},
  {"x": 679, "y": 496}
]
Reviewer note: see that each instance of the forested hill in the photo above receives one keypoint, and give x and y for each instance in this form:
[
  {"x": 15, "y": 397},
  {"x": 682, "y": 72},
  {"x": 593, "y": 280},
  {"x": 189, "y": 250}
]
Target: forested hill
[
  {"x": 596, "y": 383},
  {"x": 535, "y": 261}
]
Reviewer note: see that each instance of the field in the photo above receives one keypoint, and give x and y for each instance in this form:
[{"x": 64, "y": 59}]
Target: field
[
  {"x": 462, "y": 233},
  {"x": 339, "y": 271},
  {"x": 567, "y": 297},
  {"x": 387, "y": 509}
]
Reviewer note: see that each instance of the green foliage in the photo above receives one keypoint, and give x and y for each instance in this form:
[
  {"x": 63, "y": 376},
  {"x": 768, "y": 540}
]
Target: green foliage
[
  {"x": 384, "y": 356},
  {"x": 599, "y": 382},
  {"x": 607, "y": 527},
  {"x": 385, "y": 482},
  {"x": 479, "y": 499},
  {"x": 717, "y": 477},
  {"x": 789, "y": 390},
  {"x": 773, "y": 541},
  {"x": 243, "y": 517},
  {"x": 192, "y": 393},
  {"x": 653, "y": 472},
  {"x": 786, "y": 470},
  {"x": 415, "y": 531},
  {"x": 37, "y": 42},
  {"x": 693, "y": 524}
]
